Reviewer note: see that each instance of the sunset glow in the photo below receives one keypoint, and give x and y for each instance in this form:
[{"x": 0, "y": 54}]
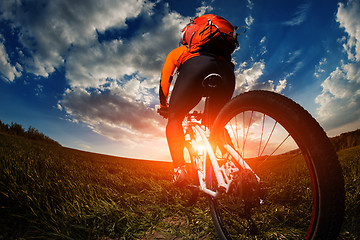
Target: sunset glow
[{"x": 86, "y": 73}]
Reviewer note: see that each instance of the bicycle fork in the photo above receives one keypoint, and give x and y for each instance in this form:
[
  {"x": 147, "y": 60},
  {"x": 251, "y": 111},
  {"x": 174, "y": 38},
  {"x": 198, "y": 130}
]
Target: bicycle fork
[{"x": 224, "y": 173}]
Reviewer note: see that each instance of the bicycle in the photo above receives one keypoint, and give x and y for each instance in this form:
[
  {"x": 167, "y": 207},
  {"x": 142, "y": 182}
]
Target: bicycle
[{"x": 266, "y": 167}]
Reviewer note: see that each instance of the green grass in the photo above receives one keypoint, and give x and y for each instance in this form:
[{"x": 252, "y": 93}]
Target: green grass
[
  {"x": 51, "y": 192},
  {"x": 350, "y": 162},
  {"x": 47, "y": 191}
]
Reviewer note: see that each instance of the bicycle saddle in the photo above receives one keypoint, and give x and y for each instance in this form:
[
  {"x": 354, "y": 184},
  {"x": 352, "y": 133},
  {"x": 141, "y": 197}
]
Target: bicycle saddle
[{"x": 212, "y": 81}]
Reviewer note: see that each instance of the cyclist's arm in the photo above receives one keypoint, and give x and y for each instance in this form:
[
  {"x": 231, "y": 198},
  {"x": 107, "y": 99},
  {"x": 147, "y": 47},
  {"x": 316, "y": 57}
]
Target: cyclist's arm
[{"x": 170, "y": 64}]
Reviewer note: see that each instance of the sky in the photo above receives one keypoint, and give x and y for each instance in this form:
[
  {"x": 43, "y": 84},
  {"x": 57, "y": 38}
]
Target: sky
[{"x": 86, "y": 73}]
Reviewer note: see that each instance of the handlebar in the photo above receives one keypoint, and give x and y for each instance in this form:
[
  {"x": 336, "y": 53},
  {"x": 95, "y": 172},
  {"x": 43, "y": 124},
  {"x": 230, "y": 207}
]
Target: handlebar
[{"x": 164, "y": 112}]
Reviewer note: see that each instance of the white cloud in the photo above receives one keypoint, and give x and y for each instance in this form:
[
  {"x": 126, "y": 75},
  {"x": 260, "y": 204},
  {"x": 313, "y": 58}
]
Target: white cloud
[
  {"x": 205, "y": 8},
  {"x": 340, "y": 98},
  {"x": 250, "y": 4},
  {"x": 49, "y": 30},
  {"x": 108, "y": 67},
  {"x": 281, "y": 86},
  {"x": 299, "y": 16},
  {"x": 319, "y": 69},
  {"x": 263, "y": 46},
  {"x": 8, "y": 72},
  {"x": 293, "y": 56},
  {"x": 339, "y": 102},
  {"x": 113, "y": 115},
  {"x": 249, "y": 21},
  {"x": 294, "y": 61},
  {"x": 113, "y": 83},
  {"x": 125, "y": 75},
  {"x": 248, "y": 75},
  {"x": 247, "y": 79},
  {"x": 349, "y": 17},
  {"x": 144, "y": 54},
  {"x": 262, "y": 41}
]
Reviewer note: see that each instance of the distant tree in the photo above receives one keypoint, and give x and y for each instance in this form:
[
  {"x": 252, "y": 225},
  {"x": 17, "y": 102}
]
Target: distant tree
[
  {"x": 3, "y": 127},
  {"x": 346, "y": 140},
  {"x": 16, "y": 129},
  {"x": 31, "y": 133}
]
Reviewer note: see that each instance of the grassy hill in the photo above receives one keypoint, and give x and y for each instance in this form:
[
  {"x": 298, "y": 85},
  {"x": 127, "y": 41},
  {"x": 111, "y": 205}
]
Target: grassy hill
[
  {"x": 59, "y": 193},
  {"x": 48, "y": 191}
]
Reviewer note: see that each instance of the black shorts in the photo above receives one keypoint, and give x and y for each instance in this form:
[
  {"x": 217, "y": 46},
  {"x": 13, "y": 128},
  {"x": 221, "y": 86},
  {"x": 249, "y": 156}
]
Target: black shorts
[{"x": 188, "y": 89}]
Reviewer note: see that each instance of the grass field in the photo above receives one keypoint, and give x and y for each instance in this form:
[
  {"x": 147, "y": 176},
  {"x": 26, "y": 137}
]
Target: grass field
[{"x": 51, "y": 192}]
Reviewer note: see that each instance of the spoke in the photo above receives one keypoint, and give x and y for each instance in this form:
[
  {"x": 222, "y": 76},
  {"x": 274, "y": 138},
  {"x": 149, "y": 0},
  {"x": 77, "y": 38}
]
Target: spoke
[
  {"x": 262, "y": 133},
  {"x": 285, "y": 192},
  {"x": 250, "y": 222},
  {"x": 231, "y": 214},
  {"x": 272, "y": 131},
  {"x": 237, "y": 135},
  {"x": 234, "y": 131},
  {"x": 247, "y": 132},
  {"x": 278, "y": 146},
  {"x": 275, "y": 150}
]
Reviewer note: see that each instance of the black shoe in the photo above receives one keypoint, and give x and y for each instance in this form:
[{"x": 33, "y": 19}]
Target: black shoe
[{"x": 180, "y": 177}]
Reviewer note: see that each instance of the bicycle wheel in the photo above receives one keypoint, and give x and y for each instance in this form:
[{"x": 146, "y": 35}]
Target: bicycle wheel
[{"x": 301, "y": 191}]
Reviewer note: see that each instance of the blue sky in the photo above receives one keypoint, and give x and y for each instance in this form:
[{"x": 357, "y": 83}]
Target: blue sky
[{"x": 86, "y": 73}]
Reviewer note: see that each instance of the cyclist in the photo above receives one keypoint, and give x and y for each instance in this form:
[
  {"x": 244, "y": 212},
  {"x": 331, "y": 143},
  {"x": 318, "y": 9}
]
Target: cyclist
[{"x": 192, "y": 68}]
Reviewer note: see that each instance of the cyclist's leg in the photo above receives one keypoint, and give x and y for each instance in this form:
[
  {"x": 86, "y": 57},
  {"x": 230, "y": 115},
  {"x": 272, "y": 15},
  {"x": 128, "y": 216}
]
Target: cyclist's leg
[
  {"x": 186, "y": 94},
  {"x": 224, "y": 92},
  {"x": 188, "y": 91}
]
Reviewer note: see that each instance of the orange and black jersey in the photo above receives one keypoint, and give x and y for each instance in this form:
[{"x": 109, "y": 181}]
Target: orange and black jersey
[{"x": 174, "y": 59}]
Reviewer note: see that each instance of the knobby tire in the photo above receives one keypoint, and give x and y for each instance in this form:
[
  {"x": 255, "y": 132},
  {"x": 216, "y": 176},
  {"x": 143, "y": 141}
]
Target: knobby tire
[{"x": 258, "y": 108}]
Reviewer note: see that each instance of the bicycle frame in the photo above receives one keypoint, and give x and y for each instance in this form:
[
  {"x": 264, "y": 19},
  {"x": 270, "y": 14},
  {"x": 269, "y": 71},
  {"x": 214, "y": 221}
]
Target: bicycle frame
[
  {"x": 248, "y": 135},
  {"x": 222, "y": 174}
]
